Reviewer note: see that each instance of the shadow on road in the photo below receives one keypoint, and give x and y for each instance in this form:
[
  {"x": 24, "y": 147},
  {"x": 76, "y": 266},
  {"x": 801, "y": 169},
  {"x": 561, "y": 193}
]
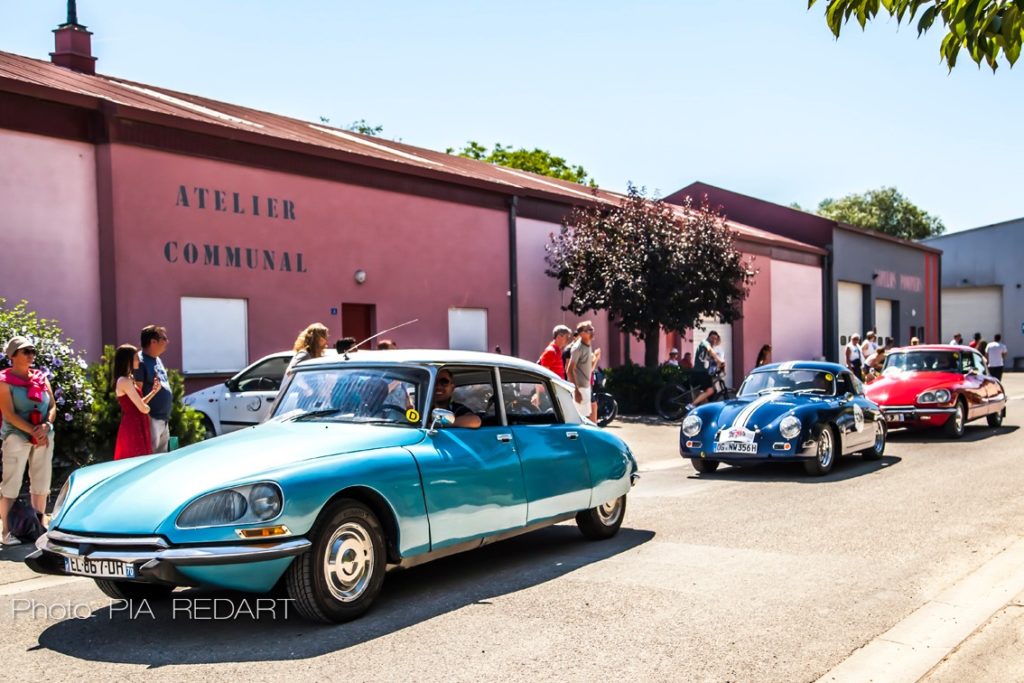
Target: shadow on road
[
  {"x": 16, "y": 553},
  {"x": 972, "y": 432},
  {"x": 170, "y": 636},
  {"x": 845, "y": 468}
]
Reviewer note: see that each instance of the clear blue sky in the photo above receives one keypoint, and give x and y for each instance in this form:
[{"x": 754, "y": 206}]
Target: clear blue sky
[{"x": 752, "y": 95}]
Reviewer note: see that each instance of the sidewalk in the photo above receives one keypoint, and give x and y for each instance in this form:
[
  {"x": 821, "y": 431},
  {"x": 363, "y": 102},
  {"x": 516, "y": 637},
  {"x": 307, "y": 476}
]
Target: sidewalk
[{"x": 995, "y": 652}]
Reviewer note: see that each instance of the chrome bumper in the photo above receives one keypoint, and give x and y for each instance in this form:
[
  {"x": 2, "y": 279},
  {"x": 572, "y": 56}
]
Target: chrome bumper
[
  {"x": 154, "y": 559},
  {"x": 911, "y": 413}
]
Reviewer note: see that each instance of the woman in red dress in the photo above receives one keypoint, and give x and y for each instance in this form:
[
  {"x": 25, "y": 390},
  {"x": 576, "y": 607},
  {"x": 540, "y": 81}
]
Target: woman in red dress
[{"x": 133, "y": 436}]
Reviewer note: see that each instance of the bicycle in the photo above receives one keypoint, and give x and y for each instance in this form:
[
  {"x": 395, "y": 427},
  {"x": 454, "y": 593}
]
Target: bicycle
[
  {"x": 607, "y": 406},
  {"x": 673, "y": 398}
]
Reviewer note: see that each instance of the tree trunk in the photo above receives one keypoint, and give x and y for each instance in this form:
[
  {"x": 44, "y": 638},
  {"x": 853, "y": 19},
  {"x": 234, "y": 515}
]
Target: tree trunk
[{"x": 652, "y": 347}]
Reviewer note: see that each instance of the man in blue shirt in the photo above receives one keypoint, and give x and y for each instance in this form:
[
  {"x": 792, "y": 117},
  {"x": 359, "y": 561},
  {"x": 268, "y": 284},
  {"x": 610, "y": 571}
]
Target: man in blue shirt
[{"x": 154, "y": 342}]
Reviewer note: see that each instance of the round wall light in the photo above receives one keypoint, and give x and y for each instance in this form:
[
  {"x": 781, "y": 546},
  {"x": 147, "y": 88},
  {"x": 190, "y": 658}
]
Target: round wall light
[{"x": 360, "y": 276}]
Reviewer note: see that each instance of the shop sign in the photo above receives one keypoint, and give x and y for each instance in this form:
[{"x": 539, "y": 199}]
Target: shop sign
[{"x": 227, "y": 256}]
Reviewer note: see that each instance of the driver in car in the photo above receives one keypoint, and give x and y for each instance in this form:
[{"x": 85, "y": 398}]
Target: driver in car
[{"x": 444, "y": 387}]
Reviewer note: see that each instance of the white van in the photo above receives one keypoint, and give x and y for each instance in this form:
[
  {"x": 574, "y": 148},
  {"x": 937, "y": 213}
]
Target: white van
[{"x": 244, "y": 400}]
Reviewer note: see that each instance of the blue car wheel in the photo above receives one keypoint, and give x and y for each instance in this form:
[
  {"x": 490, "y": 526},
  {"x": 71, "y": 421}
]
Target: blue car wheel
[
  {"x": 340, "y": 577},
  {"x": 826, "y": 452},
  {"x": 704, "y": 466}
]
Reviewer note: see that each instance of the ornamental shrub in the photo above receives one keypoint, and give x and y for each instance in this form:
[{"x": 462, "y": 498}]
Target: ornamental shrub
[
  {"x": 185, "y": 423},
  {"x": 66, "y": 369}
]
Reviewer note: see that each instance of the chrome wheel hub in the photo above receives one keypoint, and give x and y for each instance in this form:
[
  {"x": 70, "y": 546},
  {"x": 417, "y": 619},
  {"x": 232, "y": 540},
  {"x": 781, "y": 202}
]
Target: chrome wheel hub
[
  {"x": 610, "y": 512},
  {"x": 879, "y": 437},
  {"x": 348, "y": 562},
  {"x": 825, "y": 448},
  {"x": 958, "y": 416}
]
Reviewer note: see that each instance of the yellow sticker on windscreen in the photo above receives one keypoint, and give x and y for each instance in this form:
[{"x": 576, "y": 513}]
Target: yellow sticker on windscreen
[
  {"x": 412, "y": 415},
  {"x": 828, "y": 377},
  {"x": 956, "y": 355}
]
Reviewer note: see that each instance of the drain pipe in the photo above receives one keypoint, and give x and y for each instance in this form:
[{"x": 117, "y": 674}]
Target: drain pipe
[{"x": 513, "y": 275}]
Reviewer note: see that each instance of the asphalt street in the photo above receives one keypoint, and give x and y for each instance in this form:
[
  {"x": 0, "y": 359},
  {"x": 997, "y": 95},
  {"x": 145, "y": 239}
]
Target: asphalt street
[{"x": 752, "y": 574}]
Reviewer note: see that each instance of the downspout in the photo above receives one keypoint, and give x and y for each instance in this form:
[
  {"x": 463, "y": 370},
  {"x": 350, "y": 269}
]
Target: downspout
[
  {"x": 938, "y": 298},
  {"x": 513, "y": 276},
  {"x": 829, "y": 340}
]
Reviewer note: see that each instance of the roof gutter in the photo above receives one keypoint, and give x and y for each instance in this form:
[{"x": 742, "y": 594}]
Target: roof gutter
[{"x": 513, "y": 275}]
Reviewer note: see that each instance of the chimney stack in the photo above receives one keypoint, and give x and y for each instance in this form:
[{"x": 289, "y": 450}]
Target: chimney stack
[{"x": 73, "y": 44}]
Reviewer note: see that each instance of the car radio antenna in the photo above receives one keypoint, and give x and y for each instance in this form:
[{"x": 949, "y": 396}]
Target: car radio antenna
[{"x": 390, "y": 329}]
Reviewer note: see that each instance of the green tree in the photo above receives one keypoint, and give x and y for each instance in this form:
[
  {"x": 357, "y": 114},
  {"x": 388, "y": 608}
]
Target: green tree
[
  {"x": 986, "y": 29},
  {"x": 361, "y": 126},
  {"x": 533, "y": 160},
  {"x": 650, "y": 265},
  {"x": 885, "y": 210}
]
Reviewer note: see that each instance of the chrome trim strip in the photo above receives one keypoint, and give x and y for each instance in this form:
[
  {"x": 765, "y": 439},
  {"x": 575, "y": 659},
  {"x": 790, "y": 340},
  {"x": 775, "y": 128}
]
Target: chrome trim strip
[
  {"x": 228, "y": 553},
  {"x": 64, "y": 537},
  {"x": 900, "y": 410}
]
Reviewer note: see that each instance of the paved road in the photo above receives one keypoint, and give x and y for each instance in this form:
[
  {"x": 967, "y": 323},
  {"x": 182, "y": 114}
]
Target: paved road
[{"x": 755, "y": 574}]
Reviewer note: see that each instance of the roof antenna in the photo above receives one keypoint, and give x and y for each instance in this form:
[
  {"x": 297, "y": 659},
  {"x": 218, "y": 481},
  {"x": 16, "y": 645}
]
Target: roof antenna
[{"x": 390, "y": 329}]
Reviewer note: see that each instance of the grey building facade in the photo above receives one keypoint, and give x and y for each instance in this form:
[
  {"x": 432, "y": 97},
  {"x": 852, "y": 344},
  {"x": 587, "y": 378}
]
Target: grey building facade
[{"x": 983, "y": 285}]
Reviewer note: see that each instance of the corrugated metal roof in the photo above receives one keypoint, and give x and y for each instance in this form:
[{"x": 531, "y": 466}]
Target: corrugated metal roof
[{"x": 397, "y": 155}]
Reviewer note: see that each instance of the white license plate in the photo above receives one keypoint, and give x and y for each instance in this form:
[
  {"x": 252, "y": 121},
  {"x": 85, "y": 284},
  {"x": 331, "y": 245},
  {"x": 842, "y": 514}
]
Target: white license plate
[
  {"x": 898, "y": 417},
  {"x": 736, "y": 447},
  {"x": 112, "y": 569}
]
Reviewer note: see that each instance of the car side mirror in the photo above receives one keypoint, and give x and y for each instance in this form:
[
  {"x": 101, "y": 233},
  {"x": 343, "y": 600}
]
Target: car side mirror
[
  {"x": 230, "y": 385},
  {"x": 441, "y": 418}
]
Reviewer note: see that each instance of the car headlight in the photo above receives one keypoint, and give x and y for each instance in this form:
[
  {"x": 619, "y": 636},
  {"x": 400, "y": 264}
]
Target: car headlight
[
  {"x": 239, "y": 505},
  {"x": 790, "y": 427},
  {"x": 692, "y": 425},
  {"x": 61, "y": 498},
  {"x": 935, "y": 396}
]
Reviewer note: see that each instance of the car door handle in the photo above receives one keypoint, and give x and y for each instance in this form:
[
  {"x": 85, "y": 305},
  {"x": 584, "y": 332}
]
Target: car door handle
[
  {"x": 504, "y": 438},
  {"x": 572, "y": 436},
  {"x": 271, "y": 400}
]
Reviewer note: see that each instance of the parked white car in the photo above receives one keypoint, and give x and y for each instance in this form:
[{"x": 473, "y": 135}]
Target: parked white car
[{"x": 245, "y": 400}]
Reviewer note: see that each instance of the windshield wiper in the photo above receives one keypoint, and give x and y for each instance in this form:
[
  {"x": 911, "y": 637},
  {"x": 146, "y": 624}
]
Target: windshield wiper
[
  {"x": 810, "y": 391},
  {"x": 317, "y": 413},
  {"x": 769, "y": 390}
]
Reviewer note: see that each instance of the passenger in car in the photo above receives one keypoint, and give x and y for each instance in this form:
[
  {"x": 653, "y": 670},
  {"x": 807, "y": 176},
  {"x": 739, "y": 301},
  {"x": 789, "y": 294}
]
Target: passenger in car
[{"x": 444, "y": 387}]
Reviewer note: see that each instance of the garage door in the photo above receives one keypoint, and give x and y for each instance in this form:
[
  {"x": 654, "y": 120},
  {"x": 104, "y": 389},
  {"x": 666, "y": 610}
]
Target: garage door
[
  {"x": 883, "y": 320},
  {"x": 971, "y": 309},
  {"x": 851, "y": 313},
  {"x": 724, "y": 330}
]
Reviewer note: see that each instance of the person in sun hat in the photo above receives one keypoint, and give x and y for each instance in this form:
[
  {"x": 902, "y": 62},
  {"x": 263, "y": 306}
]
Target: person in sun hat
[{"x": 28, "y": 409}]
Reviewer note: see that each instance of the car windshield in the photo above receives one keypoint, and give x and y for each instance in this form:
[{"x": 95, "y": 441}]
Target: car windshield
[
  {"x": 367, "y": 395},
  {"x": 923, "y": 361},
  {"x": 797, "y": 380}
]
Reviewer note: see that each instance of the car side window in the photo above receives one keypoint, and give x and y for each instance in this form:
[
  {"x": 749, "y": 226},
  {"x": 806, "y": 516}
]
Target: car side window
[
  {"x": 528, "y": 399},
  {"x": 858, "y": 386},
  {"x": 265, "y": 376},
  {"x": 844, "y": 384},
  {"x": 474, "y": 388},
  {"x": 979, "y": 364}
]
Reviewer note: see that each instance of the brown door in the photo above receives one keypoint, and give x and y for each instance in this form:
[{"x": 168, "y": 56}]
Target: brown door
[{"x": 359, "y": 321}]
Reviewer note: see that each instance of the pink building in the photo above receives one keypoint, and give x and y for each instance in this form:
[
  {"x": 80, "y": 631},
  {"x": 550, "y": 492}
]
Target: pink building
[{"x": 235, "y": 228}]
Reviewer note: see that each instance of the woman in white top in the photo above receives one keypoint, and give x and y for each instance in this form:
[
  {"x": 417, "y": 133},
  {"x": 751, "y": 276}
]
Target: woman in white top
[
  {"x": 855, "y": 356},
  {"x": 870, "y": 346}
]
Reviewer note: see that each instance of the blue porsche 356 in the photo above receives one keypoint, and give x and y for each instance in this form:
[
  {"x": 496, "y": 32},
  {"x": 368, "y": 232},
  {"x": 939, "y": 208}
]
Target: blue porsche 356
[
  {"x": 381, "y": 459},
  {"x": 801, "y": 411}
]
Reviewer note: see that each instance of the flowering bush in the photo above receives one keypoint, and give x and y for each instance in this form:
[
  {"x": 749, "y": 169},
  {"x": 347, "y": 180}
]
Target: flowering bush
[{"x": 66, "y": 369}]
